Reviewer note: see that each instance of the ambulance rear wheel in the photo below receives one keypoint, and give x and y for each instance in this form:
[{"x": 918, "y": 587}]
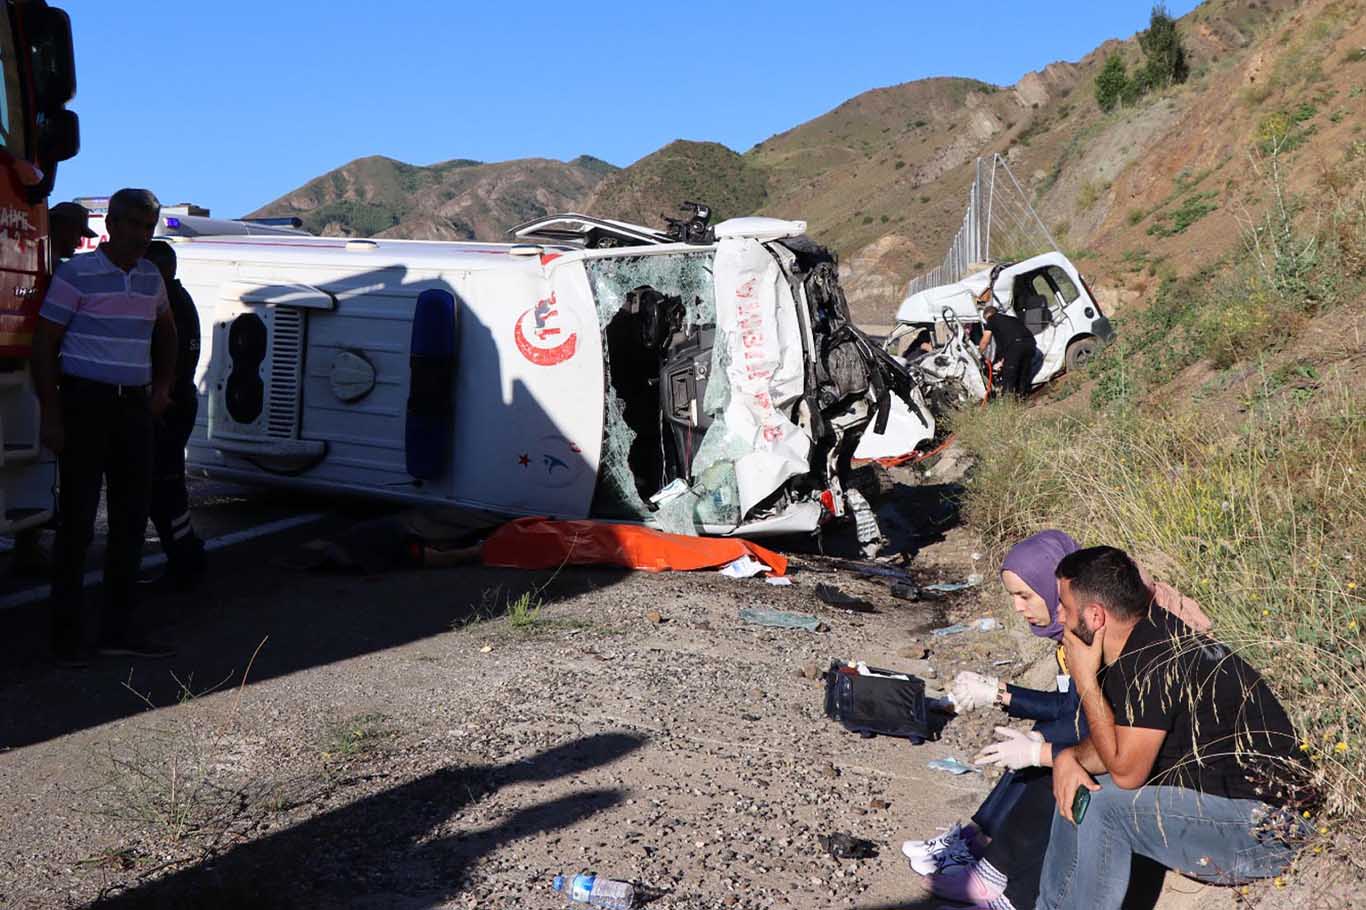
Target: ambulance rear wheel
[{"x": 1080, "y": 352}]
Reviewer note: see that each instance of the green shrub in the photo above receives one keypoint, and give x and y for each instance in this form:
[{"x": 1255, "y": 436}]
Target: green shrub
[
  {"x": 1111, "y": 83},
  {"x": 1191, "y": 210},
  {"x": 1165, "y": 58}
]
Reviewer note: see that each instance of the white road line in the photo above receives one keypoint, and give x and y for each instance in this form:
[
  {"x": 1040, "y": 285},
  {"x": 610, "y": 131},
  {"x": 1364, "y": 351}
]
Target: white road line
[{"x": 32, "y": 595}]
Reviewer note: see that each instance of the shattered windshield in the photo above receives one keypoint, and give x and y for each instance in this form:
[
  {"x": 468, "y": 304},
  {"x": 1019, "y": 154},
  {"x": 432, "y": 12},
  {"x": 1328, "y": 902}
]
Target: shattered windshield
[{"x": 687, "y": 276}]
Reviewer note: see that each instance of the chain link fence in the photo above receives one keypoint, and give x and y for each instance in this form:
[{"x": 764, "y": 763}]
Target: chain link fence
[{"x": 1000, "y": 224}]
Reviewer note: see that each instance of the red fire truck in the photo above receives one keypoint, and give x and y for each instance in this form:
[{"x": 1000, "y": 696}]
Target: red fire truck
[{"x": 37, "y": 79}]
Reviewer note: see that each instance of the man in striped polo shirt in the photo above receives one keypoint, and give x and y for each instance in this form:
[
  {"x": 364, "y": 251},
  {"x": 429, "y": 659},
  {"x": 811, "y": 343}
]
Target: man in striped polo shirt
[{"x": 100, "y": 389}]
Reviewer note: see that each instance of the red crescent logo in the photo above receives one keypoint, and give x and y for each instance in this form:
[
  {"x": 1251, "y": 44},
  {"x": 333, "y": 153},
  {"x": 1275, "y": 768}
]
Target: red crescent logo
[{"x": 539, "y": 331}]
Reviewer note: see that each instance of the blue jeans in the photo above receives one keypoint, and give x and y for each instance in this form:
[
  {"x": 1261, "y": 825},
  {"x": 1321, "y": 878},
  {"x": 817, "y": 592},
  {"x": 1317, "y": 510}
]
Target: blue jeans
[{"x": 1209, "y": 838}]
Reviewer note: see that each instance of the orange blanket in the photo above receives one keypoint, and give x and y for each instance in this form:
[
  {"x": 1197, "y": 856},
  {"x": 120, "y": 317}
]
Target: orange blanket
[{"x": 542, "y": 543}]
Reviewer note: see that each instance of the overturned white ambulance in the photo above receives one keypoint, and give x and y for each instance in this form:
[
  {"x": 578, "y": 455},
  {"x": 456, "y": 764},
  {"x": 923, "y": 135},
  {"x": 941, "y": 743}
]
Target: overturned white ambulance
[{"x": 716, "y": 387}]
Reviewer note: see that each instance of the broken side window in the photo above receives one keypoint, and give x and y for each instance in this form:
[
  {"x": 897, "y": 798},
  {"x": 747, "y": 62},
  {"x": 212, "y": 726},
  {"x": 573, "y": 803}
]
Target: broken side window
[{"x": 647, "y": 306}]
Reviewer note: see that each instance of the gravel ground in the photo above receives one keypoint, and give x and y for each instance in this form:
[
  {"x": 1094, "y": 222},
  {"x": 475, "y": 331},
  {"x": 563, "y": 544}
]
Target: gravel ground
[{"x": 400, "y": 742}]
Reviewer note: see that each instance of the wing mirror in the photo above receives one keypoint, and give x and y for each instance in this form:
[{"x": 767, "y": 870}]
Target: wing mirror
[
  {"x": 59, "y": 137},
  {"x": 54, "y": 61}
]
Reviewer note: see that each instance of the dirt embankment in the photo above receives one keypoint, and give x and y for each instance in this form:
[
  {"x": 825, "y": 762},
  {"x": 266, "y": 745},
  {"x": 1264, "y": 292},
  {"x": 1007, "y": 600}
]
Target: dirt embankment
[{"x": 402, "y": 741}]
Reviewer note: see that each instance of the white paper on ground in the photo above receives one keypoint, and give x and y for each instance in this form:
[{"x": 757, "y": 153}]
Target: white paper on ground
[
  {"x": 755, "y": 309},
  {"x": 744, "y": 567},
  {"x": 780, "y": 580}
]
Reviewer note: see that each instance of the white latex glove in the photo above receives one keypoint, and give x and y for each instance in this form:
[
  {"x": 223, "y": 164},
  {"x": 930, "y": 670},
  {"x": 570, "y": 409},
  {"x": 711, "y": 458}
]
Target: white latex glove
[
  {"x": 973, "y": 690},
  {"x": 1016, "y": 750}
]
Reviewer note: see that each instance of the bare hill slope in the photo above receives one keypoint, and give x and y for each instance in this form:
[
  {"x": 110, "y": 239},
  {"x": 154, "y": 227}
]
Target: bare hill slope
[{"x": 1151, "y": 187}]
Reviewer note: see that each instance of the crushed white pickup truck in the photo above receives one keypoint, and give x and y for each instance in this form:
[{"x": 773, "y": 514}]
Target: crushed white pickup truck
[{"x": 1045, "y": 292}]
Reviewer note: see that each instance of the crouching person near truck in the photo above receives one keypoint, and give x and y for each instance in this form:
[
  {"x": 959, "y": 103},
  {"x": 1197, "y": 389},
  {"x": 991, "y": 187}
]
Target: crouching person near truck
[{"x": 1192, "y": 755}]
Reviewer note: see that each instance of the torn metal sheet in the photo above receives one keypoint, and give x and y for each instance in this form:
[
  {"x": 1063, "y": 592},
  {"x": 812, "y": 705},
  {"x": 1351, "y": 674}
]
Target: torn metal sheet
[{"x": 765, "y": 369}]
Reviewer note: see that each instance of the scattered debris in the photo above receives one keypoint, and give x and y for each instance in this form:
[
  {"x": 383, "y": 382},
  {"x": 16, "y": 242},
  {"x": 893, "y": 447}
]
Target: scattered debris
[
  {"x": 846, "y": 846},
  {"x": 985, "y": 624},
  {"x": 829, "y": 594},
  {"x": 829, "y": 771},
  {"x": 949, "y": 587},
  {"x": 781, "y": 581},
  {"x": 781, "y": 619},
  {"x": 809, "y": 670},
  {"x": 877, "y": 569},
  {"x": 951, "y": 765},
  {"x": 870, "y": 537},
  {"x": 921, "y": 668},
  {"x": 879, "y": 804},
  {"x": 655, "y": 617},
  {"x": 486, "y": 649},
  {"x": 744, "y": 567},
  {"x": 904, "y": 590}
]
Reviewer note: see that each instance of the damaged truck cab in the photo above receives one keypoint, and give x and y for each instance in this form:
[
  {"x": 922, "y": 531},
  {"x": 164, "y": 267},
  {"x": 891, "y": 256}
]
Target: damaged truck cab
[{"x": 702, "y": 388}]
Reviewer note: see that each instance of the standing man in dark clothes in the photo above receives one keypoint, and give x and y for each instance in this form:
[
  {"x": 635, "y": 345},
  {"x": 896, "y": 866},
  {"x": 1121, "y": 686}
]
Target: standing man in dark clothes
[
  {"x": 170, "y": 501},
  {"x": 99, "y": 392},
  {"x": 1015, "y": 348},
  {"x": 1193, "y": 754},
  {"x": 67, "y": 223}
]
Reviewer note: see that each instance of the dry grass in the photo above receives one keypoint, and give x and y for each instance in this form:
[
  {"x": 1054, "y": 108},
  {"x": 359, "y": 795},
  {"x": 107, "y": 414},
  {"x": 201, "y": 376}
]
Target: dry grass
[{"x": 1262, "y": 522}]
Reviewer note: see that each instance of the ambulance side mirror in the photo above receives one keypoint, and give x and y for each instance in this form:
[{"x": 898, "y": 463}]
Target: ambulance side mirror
[
  {"x": 59, "y": 138},
  {"x": 54, "y": 60}
]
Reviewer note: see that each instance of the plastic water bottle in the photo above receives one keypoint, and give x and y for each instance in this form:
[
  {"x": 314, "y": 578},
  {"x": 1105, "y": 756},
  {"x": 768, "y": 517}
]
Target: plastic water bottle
[{"x": 597, "y": 891}]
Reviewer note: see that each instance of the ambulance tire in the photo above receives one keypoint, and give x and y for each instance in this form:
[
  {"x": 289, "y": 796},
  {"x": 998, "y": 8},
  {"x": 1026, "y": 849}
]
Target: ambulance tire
[{"x": 1080, "y": 352}]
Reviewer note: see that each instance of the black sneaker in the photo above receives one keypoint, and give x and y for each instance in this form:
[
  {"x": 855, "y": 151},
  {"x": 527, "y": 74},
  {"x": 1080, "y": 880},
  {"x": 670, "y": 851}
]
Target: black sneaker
[{"x": 135, "y": 647}]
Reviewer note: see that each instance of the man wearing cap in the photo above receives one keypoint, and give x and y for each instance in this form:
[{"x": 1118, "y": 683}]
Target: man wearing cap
[
  {"x": 99, "y": 391},
  {"x": 68, "y": 223}
]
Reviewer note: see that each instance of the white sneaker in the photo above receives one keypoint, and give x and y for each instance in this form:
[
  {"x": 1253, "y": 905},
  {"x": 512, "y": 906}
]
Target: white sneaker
[
  {"x": 967, "y": 880},
  {"x": 926, "y": 856}
]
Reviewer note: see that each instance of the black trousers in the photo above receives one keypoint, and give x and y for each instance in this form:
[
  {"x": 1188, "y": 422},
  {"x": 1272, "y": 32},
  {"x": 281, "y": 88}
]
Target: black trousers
[
  {"x": 108, "y": 438},
  {"x": 1018, "y": 369},
  {"x": 170, "y": 501}
]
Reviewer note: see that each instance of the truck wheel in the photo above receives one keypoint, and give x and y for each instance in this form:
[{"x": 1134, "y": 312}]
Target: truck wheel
[{"x": 1080, "y": 352}]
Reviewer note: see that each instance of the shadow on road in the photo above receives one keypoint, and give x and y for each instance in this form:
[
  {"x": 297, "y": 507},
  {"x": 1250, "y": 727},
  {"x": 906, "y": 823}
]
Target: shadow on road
[
  {"x": 298, "y": 620},
  {"x": 393, "y": 848}
]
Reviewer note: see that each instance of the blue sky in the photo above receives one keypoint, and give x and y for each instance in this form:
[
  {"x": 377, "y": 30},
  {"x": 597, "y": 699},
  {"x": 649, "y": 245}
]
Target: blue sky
[{"x": 231, "y": 104}]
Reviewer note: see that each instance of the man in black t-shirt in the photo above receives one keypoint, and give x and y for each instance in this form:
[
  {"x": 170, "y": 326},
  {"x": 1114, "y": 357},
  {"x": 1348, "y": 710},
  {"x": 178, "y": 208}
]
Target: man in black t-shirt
[
  {"x": 1015, "y": 350},
  {"x": 1193, "y": 754}
]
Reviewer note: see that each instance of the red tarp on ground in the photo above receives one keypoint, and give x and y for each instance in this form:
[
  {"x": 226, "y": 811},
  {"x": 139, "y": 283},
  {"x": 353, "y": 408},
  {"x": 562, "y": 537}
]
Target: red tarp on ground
[{"x": 542, "y": 543}]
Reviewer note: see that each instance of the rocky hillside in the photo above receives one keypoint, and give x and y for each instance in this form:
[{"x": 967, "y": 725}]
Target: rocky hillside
[
  {"x": 657, "y": 184},
  {"x": 1149, "y": 188},
  {"x": 453, "y": 200}
]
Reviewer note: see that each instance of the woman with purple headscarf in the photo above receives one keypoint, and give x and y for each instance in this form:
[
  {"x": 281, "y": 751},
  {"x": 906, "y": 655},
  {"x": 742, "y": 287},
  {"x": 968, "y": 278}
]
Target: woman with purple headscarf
[{"x": 1017, "y": 816}]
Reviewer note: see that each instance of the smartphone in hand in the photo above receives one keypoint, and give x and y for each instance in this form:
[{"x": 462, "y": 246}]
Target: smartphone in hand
[{"x": 1079, "y": 804}]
